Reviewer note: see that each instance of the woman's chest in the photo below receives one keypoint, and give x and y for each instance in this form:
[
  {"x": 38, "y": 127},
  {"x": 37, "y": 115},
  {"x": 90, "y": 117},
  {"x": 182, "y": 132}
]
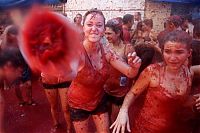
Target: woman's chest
[
  {"x": 92, "y": 75},
  {"x": 178, "y": 86}
]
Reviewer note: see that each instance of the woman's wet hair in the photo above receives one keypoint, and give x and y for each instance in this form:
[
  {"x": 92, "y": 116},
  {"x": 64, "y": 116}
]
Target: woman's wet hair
[
  {"x": 177, "y": 36},
  {"x": 196, "y": 30},
  {"x": 148, "y": 53},
  {"x": 94, "y": 12},
  {"x": 116, "y": 26}
]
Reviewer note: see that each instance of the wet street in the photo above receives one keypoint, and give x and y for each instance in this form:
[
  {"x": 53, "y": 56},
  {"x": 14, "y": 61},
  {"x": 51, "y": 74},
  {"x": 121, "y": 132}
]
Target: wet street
[{"x": 29, "y": 119}]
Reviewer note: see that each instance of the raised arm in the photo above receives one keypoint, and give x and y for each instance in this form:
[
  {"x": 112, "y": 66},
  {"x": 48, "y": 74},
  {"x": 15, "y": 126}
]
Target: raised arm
[
  {"x": 130, "y": 69},
  {"x": 140, "y": 85}
]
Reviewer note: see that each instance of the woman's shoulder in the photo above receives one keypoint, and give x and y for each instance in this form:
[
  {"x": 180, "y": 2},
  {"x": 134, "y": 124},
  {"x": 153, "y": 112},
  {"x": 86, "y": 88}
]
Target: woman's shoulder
[
  {"x": 155, "y": 66},
  {"x": 108, "y": 49},
  {"x": 152, "y": 70}
]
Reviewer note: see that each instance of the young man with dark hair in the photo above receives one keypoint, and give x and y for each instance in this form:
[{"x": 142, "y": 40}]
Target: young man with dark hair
[{"x": 128, "y": 21}]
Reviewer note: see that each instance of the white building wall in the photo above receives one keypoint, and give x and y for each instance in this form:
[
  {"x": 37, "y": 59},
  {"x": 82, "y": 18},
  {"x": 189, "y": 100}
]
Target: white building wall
[
  {"x": 158, "y": 11},
  {"x": 110, "y": 8}
]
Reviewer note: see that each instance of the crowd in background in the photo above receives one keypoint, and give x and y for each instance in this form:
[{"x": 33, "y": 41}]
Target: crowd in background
[{"x": 125, "y": 61}]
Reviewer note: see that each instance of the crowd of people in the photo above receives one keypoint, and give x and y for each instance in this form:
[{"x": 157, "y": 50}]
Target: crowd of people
[{"x": 130, "y": 78}]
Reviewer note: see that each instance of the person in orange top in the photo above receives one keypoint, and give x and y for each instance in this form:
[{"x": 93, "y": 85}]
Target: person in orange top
[{"x": 162, "y": 92}]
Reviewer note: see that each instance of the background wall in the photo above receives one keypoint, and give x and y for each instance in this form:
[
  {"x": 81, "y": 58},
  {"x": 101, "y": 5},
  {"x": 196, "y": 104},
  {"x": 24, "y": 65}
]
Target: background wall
[
  {"x": 117, "y": 8},
  {"x": 110, "y": 8},
  {"x": 158, "y": 11}
]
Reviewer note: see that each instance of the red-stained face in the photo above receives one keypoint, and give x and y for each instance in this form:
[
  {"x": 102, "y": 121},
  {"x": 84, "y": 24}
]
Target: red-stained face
[
  {"x": 175, "y": 54},
  {"x": 94, "y": 27},
  {"x": 111, "y": 36}
]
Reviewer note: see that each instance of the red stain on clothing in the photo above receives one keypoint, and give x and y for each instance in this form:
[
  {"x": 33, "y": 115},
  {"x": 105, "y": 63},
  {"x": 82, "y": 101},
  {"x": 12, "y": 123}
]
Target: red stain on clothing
[{"x": 86, "y": 90}]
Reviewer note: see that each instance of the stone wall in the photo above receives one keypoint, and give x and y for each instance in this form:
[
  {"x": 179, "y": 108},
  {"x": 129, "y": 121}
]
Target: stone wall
[
  {"x": 110, "y": 8},
  {"x": 158, "y": 11}
]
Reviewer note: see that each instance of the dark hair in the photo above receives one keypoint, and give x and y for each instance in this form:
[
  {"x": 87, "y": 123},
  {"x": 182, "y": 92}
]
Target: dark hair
[
  {"x": 195, "y": 52},
  {"x": 138, "y": 13},
  {"x": 148, "y": 22},
  {"x": 165, "y": 24},
  {"x": 175, "y": 20},
  {"x": 93, "y": 11},
  {"x": 139, "y": 26},
  {"x": 161, "y": 36},
  {"x": 148, "y": 53},
  {"x": 13, "y": 56},
  {"x": 127, "y": 18},
  {"x": 116, "y": 26},
  {"x": 120, "y": 19},
  {"x": 79, "y": 14},
  {"x": 76, "y": 16},
  {"x": 196, "y": 30},
  {"x": 177, "y": 36}
]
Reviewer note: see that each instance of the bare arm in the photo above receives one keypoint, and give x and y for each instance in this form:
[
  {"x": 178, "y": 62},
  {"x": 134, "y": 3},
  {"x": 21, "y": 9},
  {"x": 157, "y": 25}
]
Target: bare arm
[
  {"x": 130, "y": 70},
  {"x": 140, "y": 85},
  {"x": 122, "y": 119}
]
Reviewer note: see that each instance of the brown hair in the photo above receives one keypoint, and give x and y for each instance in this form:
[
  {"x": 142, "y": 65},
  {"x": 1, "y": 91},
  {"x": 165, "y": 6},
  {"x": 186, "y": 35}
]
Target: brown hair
[
  {"x": 196, "y": 30},
  {"x": 148, "y": 53},
  {"x": 116, "y": 26},
  {"x": 177, "y": 36},
  {"x": 148, "y": 22},
  {"x": 175, "y": 20},
  {"x": 93, "y": 11}
]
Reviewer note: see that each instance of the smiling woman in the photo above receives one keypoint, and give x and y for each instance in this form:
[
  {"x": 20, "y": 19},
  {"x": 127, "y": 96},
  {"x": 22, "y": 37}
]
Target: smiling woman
[{"x": 86, "y": 93}]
